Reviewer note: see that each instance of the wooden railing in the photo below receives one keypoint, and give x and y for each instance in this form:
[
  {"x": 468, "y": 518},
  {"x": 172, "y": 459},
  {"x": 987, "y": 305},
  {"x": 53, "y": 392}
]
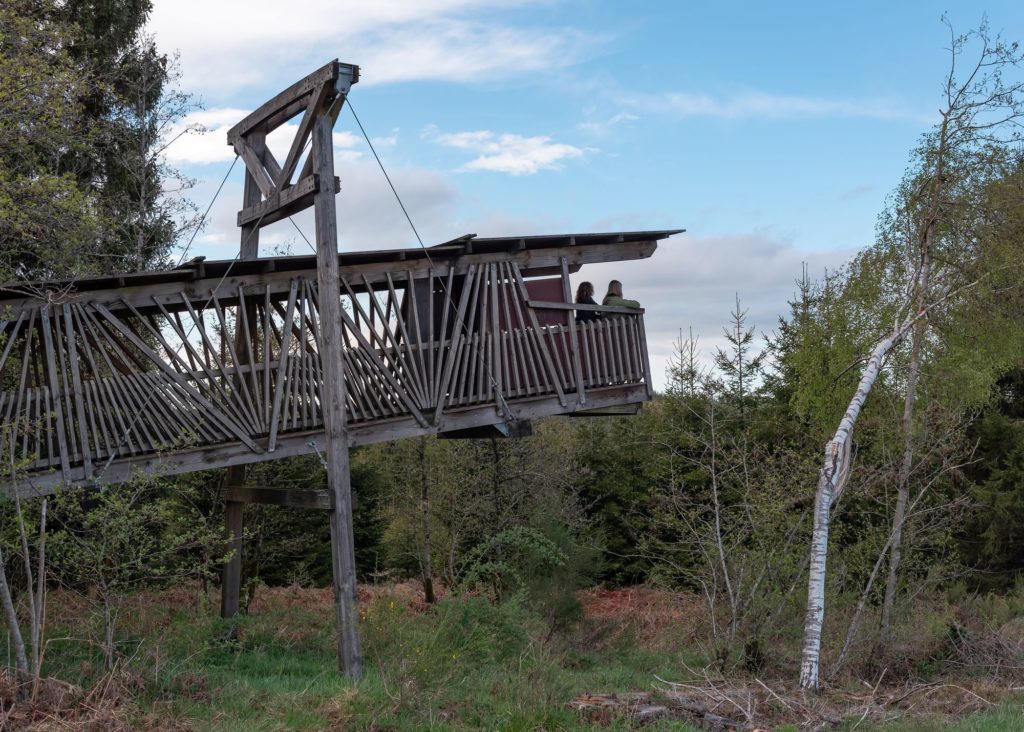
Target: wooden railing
[{"x": 111, "y": 379}]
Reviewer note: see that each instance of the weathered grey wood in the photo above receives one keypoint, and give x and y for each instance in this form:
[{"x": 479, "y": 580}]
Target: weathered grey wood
[
  {"x": 51, "y": 371},
  {"x": 511, "y": 358},
  {"x": 66, "y": 391},
  {"x": 417, "y": 345},
  {"x": 316, "y": 499},
  {"x": 212, "y": 388},
  {"x": 254, "y": 168},
  {"x": 201, "y": 401},
  {"x": 534, "y": 376},
  {"x": 642, "y": 338},
  {"x": 76, "y": 385},
  {"x": 11, "y": 338},
  {"x": 327, "y": 73},
  {"x": 286, "y": 334},
  {"x": 495, "y": 370},
  {"x": 417, "y": 382},
  {"x": 369, "y": 352},
  {"x": 530, "y": 262},
  {"x": 280, "y": 204},
  {"x": 350, "y": 659},
  {"x": 534, "y": 332},
  {"x": 574, "y": 343},
  {"x": 225, "y": 455},
  {"x": 110, "y": 399},
  {"x": 459, "y": 387},
  {"x": 234, "y": 510},
  {"x": 316, "y": 101},
  {"x": 544, "y": 305}
]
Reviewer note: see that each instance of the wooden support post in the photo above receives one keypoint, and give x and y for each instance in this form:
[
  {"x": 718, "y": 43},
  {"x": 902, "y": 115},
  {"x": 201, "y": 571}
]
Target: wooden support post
[
  {"x": 343, "y": 563},
  {"x": 574, "y": 342},
  {"x": 231, "y": 581}
]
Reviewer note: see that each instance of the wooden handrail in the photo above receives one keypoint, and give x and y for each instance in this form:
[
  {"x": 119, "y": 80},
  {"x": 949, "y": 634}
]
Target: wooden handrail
[{"x": 544, "y": 305}]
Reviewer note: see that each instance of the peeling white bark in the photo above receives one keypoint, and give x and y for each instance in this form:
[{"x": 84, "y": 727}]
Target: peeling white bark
[{"x": 831, "y": 481}]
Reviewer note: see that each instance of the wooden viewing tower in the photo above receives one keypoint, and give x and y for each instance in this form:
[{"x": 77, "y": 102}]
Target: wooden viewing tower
[{"x": 224, "y": 363}]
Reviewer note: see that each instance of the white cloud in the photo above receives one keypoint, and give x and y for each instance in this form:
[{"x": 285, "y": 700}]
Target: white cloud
[
  {"x": 208, "y": 143},
  {"x": 507, "y": 153},
  {"x": 762, "y": 105},
  {"x": 693, "y": 281},
  {"x": 604, "y": 127},
  {"x": 248, "y": 43}
]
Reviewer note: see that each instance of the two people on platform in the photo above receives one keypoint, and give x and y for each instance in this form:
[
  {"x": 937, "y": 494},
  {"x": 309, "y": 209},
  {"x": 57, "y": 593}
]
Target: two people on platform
[{"x": 585, "y": 296}]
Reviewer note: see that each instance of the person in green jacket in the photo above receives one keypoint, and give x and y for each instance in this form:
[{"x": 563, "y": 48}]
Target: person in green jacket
[{"x": 614, "y": 297}]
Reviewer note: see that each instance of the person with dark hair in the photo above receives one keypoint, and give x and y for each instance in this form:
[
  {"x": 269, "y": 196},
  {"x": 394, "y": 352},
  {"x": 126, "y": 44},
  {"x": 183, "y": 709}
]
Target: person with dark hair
[
  {"x": 615, "y": 298},
  {"x": 585, "y": 296}
]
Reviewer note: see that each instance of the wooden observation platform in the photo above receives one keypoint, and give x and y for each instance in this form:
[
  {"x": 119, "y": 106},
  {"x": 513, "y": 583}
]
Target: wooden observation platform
[
  {"x": 109, "y": 375},
  {"x": 226, "y": 363}
]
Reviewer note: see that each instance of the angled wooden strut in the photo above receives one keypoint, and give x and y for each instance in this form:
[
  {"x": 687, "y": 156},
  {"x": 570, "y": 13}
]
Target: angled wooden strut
[{"x": 318, "y": 96}]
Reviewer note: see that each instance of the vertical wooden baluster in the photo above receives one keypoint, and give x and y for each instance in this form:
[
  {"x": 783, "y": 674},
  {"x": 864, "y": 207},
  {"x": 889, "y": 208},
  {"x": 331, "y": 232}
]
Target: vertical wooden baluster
[{"x": 51, "y": 371}]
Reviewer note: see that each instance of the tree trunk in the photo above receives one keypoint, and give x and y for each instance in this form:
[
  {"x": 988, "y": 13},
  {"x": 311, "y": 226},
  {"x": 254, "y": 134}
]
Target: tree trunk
[
  {"x": 428, "y": 567},
  {"x": 830, "y": 486},
  {"x": 910, "y": 399},
  {"x": 903, "y": 483},
  {"x": 13, "y": 629},
  {"x": 40, "y": 605}
]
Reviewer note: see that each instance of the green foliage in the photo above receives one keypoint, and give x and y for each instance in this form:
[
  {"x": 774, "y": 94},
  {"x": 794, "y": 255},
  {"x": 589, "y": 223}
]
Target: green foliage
[
  {"x": 293, "y": 546},
  {"x": 500, "y": 565},
  {"x": 87, "y": 105}
]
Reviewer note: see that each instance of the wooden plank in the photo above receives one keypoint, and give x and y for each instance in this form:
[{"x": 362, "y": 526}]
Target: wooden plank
[
  {"x": 642, "y": 338},
  {"x": 66, "y": 391},
  {"x": 417, "y": 345},
  {"x": 530, "y": 261},
  {"x": 224, "y": 455},
  {"x": 316, "y": 101},
  {"x": 533, "y": 374},
  {"x": 370, "y": 353},
  {"x": 297, "y": 91},
  {"x": 350, "y": 659},
  {"x": 111, "y": 401},
  {"x": 76, "y": 381},
  {"x": 280, "y": 204},
  {"x": 215, "y": 389},
  {"x": 453, "y": 351},
  {"x": 459, "y": 387},
  {"x": 254, "y": 168},
  {"x": 234, "y": 512},
  {"x": 286, "y": 334},
  {"x": 239, "y": 380},
  {"x": 252, "y": 195},
  {"x": 443, "y": 352},
  {"x": 316, "y": 499},
  {"x": 508, "y": 358},
  {"x": 51, "y": 372},
  {"x": 535, "y": 331},
  {"x": 544, "y": 305},
  {"x": 416, "y": 380},
  {"x": 574, "y": 343},
  {"x": 11, "y": 338},
  {"x": 212, "y": 410},
  {"x": 495, "y": 370}
]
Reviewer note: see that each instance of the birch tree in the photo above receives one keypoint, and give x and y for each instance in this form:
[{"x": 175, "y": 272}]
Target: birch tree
[{"x": 931, "y": 226}]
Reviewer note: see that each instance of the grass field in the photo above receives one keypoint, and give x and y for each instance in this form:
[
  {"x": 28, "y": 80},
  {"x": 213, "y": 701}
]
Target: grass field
[{"x": 464, "y": 664}]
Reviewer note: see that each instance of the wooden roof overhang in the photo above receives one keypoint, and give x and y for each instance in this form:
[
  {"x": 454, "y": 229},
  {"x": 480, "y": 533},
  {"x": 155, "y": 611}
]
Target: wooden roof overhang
[{"x": 535, "y": 256}]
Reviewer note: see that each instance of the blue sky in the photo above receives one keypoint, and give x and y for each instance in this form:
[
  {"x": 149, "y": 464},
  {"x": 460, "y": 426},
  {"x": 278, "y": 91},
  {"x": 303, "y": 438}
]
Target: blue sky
[{"x": 772, "y": 132}]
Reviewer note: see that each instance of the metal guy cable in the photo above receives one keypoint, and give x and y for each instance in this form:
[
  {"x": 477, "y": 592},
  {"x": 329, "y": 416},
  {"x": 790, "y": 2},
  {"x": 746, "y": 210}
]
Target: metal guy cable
[{"x": 462, "y": 323}]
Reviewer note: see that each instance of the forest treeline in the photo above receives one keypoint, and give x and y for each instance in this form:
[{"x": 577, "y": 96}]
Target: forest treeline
[{"x": 714, "y": 489}]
